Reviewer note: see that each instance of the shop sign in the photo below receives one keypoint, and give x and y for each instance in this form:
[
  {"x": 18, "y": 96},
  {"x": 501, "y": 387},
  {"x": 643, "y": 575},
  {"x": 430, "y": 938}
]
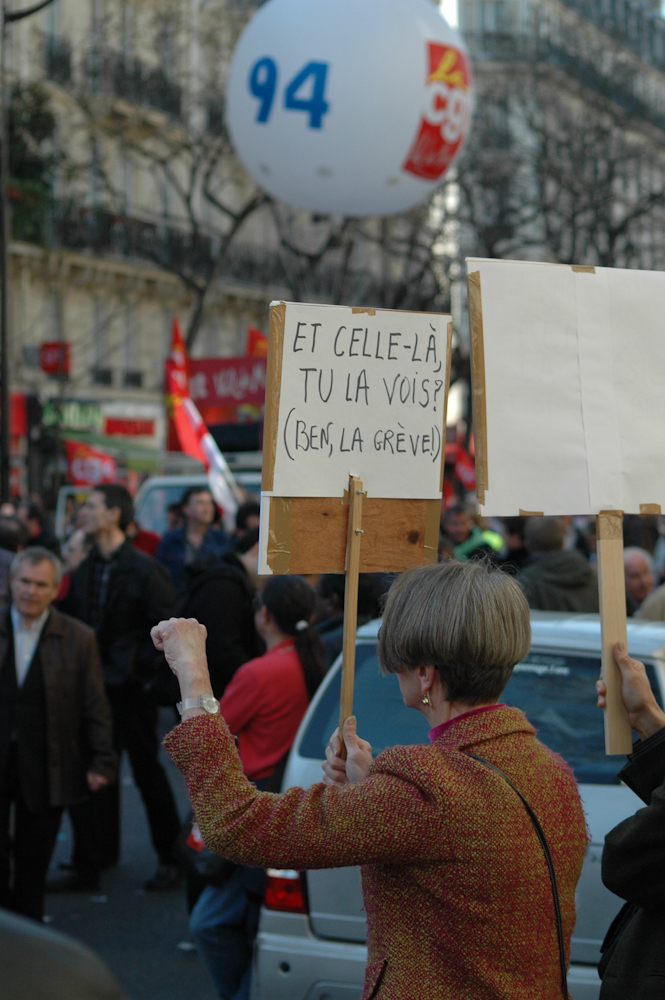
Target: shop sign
[
  {"x": 129, "y": 426},
  {"x": 73, "y": 415},
  {"x": 54, "y": 357}
]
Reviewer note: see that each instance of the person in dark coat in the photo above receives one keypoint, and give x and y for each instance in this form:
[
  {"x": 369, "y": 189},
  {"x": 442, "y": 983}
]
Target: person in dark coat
[
  {"x": 55, "y": 726},
  {"x": 221, "y": 598},
  {"x": 517, "y": 554},
  {"x": 633, "y": 865},
  {"x": 121, "y": 593},
  {"x": 34, "y": 518},
  {"x": 196, "y": 541},
  {"x": 554, "y": 578},
  {"x": 248, "y": 516}
]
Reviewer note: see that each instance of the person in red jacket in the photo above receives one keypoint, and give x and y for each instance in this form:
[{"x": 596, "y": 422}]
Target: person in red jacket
[
  {"x": 463, "y": 900},
  {"x": 263, "y": 705}
]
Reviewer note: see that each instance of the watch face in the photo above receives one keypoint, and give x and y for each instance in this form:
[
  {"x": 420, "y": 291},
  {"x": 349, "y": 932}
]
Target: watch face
[{"x": 210, "y": 703}]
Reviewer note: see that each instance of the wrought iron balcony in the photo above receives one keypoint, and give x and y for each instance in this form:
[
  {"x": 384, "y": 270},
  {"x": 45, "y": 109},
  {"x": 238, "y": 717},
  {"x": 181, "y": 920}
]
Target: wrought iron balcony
[
  {"x": 99, "y": 232},
  {"x": 529, "y": 49},
  {"x": 636, "y": 26},
  {"x": 110, "y": 73}
]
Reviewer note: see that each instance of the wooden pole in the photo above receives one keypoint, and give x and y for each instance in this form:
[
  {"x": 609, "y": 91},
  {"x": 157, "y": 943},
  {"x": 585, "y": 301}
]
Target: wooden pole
[
  {"x": 354, "y": 536},
  {"x": 612, "y": 595}
]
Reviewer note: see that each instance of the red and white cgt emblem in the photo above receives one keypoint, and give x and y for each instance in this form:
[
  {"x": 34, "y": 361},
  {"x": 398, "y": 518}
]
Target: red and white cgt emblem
[{"x": 446, "y": 115}]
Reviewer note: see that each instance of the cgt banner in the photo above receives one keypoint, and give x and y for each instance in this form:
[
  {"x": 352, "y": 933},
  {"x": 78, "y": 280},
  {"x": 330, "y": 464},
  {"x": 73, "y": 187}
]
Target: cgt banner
[{"x": 89, "y": 466}]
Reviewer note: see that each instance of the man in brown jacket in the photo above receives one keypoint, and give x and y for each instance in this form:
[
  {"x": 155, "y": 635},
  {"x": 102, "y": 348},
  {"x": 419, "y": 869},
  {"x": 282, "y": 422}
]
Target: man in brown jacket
[{"x": 55, "y": 726}]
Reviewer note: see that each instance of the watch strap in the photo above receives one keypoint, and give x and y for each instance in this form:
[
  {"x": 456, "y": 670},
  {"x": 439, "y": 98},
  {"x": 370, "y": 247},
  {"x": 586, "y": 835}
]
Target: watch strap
[{"x": 197, "y": 703}]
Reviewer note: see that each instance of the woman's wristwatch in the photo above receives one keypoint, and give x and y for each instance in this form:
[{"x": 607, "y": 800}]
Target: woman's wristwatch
[{"x": 207, "y": 702}]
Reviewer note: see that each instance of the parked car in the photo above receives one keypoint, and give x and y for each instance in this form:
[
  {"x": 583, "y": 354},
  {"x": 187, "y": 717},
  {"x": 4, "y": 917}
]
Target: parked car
[{"x": 312, "y": 935}]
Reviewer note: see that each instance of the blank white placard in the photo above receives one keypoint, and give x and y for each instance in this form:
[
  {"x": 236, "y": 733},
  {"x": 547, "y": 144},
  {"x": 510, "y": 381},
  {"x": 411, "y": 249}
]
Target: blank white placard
[{"x": 574, "y": 377}]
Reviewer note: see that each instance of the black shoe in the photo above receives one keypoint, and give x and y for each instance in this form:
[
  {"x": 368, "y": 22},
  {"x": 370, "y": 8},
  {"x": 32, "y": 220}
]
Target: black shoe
[
  {"x": 166, "y": 877},
  {"x": 77, "y": 882}
]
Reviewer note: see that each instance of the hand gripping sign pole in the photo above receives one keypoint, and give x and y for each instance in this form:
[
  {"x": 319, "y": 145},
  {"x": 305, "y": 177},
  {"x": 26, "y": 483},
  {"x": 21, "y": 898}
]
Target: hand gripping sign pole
[
  {"x": 354, "y": 445},
  {"x": 569, "y": 414}
]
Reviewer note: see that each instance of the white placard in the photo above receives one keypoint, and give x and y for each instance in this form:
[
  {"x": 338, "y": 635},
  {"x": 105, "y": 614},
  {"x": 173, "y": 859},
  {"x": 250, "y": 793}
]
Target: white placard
[
  {"x": 361, "y": 393},
  {"x": 574, "y": 367}
]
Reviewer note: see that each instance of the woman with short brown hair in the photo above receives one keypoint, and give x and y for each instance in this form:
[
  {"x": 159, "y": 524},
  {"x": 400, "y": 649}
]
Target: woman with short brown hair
[{"x": 458, "y": 891}]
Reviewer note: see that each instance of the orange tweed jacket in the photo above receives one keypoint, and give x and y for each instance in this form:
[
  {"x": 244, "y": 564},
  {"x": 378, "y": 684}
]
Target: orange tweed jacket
[{"x": 456, "y": 889}]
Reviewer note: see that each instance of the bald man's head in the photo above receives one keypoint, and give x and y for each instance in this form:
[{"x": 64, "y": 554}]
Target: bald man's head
[{"x": 638, "y": 569}]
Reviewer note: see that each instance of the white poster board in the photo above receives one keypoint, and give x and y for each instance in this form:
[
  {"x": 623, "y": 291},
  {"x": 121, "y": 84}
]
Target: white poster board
[
  {"x": 568, "y": 385},
  {"x": 362, "y": 392}
]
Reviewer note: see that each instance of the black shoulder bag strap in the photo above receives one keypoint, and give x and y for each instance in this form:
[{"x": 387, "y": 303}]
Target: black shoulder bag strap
[{"x": 550, "y": 866}]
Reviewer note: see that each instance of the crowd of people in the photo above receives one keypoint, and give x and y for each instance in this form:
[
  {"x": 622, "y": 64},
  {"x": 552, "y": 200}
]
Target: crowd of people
[{"x": 82, "y": 681}]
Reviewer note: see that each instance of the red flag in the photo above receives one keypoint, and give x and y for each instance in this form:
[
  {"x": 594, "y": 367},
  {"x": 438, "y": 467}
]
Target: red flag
[
  {"x": 194, "y": 437},
  {"x": 465, "y": 469},
  {"x": 89, "y": 466},
  {"x": 257, "y": 343}
]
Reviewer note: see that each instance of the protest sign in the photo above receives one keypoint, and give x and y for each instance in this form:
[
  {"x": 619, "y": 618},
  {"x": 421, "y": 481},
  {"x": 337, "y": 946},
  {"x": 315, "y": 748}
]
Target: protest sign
[
  {"x": 354, "y": 444},
  {"x": 569, "y": 414},
  {"x": 360, "y": 393}
]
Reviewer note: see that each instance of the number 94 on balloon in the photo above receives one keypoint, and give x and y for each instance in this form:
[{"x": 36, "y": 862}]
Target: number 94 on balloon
[{"x": 263, "y": 85}]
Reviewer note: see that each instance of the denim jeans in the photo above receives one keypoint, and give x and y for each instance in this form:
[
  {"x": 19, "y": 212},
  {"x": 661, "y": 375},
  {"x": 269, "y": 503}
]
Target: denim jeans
[{"x": 223, "y": 924}]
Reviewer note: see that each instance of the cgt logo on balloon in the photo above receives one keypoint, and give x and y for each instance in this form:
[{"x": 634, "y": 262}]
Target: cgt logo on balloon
[{"x": 447, "y": 113}]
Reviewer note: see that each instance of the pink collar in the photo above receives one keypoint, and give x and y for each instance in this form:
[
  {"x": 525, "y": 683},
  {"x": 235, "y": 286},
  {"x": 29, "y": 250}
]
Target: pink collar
[{"x": 444, "y": 726}]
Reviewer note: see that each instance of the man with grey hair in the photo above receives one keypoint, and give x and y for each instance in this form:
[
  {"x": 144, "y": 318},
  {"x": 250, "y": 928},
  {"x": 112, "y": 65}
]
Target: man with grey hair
[
  {"x": 554, "y": 578},
  {"x": 55, "y": 726},
  {"x": 638, "y": 573}
]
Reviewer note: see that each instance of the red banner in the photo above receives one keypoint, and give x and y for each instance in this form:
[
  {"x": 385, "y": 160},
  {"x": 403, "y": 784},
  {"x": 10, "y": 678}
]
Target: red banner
[
  {"x": 89, "y": 466},
  {"x": 227, "y": 381}
]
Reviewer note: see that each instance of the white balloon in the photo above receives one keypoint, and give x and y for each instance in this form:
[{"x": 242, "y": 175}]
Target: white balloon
[{"x": 354, "y": 107}]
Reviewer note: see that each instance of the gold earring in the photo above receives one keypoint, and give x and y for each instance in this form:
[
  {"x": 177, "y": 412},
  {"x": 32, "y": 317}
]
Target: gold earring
[{"x": 426, "y": 700}]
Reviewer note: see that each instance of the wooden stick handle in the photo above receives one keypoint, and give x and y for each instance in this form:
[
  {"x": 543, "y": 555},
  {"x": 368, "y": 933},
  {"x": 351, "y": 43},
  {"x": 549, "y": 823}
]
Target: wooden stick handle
[
  {"x": 350, "y": 603},
  {"x": 612, "y": 595}
]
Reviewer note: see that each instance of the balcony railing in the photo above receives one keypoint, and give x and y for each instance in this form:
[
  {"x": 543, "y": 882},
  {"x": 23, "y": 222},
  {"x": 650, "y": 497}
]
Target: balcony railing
[
  {"x": 504, "y": 47},
  {"x": 634, "y": 25},
  {"x": 68, "y": 225},
  {"x": 110, "y": 73}
]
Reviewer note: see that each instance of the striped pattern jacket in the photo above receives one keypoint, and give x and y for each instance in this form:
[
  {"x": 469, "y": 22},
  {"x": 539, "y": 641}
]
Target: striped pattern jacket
[{"x": 457, "y": 893}]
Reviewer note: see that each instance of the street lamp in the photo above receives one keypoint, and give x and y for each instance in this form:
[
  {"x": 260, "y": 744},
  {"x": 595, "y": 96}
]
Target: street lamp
[{"x": 7, "y": 17}]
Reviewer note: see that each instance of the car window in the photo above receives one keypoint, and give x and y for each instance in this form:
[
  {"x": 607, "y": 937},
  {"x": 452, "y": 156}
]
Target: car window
[
  {"x": 556, "y": 693},
  {"x": 383, "y": 718}
]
